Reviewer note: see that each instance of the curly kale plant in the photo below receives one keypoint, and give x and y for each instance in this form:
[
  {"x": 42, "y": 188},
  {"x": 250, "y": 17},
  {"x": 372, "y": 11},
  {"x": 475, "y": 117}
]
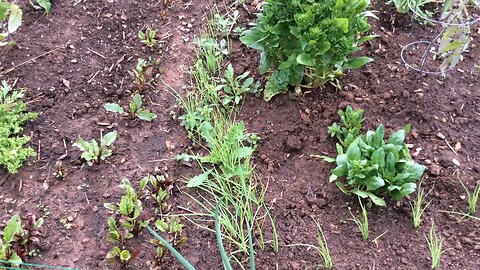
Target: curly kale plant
[
  {"x": 308, "y": 41},
  {"x": 12, "y": 116}
]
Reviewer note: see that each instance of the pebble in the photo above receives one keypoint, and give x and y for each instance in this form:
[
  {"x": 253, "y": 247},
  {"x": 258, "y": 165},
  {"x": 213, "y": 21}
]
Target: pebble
[
  {"x": 293, "y": 144},
  {"x": 85, "y": 240},
  {"x": 435, "y": 170}
]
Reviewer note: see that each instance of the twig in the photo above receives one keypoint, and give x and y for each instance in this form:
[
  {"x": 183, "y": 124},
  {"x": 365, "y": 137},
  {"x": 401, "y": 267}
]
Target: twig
[
  {"x": 93, "y": 77},
  {"x": 34, "y": 58},
  {"x": 101, "y": 55},
  {"x": 451, "y": 148}
]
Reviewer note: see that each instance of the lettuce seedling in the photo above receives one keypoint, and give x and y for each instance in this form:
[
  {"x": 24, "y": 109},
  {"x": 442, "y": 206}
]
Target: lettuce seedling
[
  {"x": 12, "y": 117},
  {"x": 92, "y": 152},
  {"x": 374, "y": 167},
  {"x": 136, "y": 110}
]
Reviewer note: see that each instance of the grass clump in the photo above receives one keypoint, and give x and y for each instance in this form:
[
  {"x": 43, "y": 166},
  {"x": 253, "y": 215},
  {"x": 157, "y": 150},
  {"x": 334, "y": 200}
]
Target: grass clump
[
  {"x": 362, "y": 222},
  {"x": 417, "y": 208},
  {"x": 435, "y": 245},
  {"x": 472, "y": 198}
]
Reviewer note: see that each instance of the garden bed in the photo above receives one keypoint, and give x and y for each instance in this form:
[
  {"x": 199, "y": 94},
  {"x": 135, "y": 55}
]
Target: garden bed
[{"x": 95, "y": 45}]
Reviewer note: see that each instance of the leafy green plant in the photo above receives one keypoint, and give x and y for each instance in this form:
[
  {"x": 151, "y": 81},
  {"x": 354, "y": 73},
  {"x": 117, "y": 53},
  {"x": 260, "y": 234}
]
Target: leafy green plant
[
  {"x": 233, "y": 87},
  {"x": 12, "y": 116},
  {"x": 415, "y": 6},
  {"x": 148, "y": 37},
  {"x": 472, "y": 198},
  {"x": 92, "y": 152},
  {"x": 18, "y": 239},
  {"x": 142, "y": 74},
  {"x": 374, "y": 167},
  {"x": 14, "y": 15},
  {"x": 41, "y": 4},
  {"x": 136, "y": 110},
  {"x": 435, "y": 245},
  {"x": 160, "y": 192},
  {"x": 417, "y": 208},
  {"x": 349, "y": 129},
  {"x": 127, "y": 212},
  {"x": 362, "y": 223},
  {"x": 308, "y": 41}
]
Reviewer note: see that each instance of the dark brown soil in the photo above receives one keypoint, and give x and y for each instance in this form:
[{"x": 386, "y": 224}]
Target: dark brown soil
[{"x": 96, "y": 46}]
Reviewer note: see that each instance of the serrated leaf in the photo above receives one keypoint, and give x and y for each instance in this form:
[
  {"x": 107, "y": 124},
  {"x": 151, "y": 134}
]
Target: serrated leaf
[{"x": 198, "y": 180}]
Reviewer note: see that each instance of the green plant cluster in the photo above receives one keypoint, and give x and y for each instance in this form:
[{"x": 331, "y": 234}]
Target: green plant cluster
[
  {"x": 12, "y": 117},
  {"x": 10, "y": 19},
  {"x": 136, "y": 109},
  {"x": 308, "y": 41},
  {"x": 92, "y": 152},
  {"x": 374, "y": 167},
  {"x": 17, "y": 238}
]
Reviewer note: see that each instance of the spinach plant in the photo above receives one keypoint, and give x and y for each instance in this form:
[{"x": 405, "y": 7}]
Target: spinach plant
[
  {"x": 128, "y": 213},
  {"x": 233, "y": 87},
  {"x": 309, "y": 41},
  {"x": 12, "y": 116},
  {"x": 148, "y": 37},
  {"x": 7, "y": 27},
  {"x": 92, "y": 152},
  {"x": 136, "y": 110}
]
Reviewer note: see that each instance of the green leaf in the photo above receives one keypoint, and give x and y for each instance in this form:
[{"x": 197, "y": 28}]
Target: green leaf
[
  {"x": 357, "y": 62},
  {"x": 113, "y": 253},
  {"x": 374, "y": 183},
  {"x": 13, "y": 227},
  {"x": 109, "y": 138},
  {"x": 145, "y": 115},
  {"x": 4, "y": 8},
  {"x": 82, "y": 145},
  {"x": 306, "y": 59},
  {"x": 341, "y": 23},
  {"x": 378, "y": 157},
  {"x": 113, "y": 107},
  {"x": 342, "y": 188},
  {"x": 15, "y": 260},
  {"x": 161, "y": 225},
  {"x": 397, "y": 138},
  {"x": 45, "y": 4},
  {"x": 377, "y": 139},
  {"x": 376, "y": 200},
  {"x": 125, "y": 256},
  {"x": 360, "y": 193},
  {"x": 198, "y": 180},
  {"x": 340, "y": 170},
  {"x": 353, "y": 152},
  {"x": 15, "y": 18}
]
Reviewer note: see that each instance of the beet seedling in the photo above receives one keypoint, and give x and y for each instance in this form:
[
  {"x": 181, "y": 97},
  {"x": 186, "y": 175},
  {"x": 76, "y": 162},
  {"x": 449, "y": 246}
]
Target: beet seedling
[
  {"x": 14, "y": 14},
  {"x": 149, "y": 37},
  {"x": 41, "y": 4},
  {"x": 161, "y": 190},
  {"x": 92, "y": 152},
  {"x": 136, "y": 110},
  {"x": 142, "y": 74}
]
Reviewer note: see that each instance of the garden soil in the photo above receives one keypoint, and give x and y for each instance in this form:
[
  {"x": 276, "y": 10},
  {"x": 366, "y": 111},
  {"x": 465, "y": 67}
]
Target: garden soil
[{"x": 87, "y": 50}]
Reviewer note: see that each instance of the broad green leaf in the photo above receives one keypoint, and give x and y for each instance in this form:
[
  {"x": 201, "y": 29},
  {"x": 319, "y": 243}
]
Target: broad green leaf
[
  {"x": 113, "y": 107},
  {"x": 357, "y": 62},
  {"x": 110, "y": 206},
  {"x": 82, "y": 145},
  {"x": 198, "y": 180},
  {"x": 366, "y": 38},
  {"x": 113, "y": 253},
  {"x": 137, "y": 101},
  {"x": 15, "y": 18},
  {"x": 377, "y": 139},
  {"x": 378, "y": 157},
  {"x": 245, "y": 152},
  {"x": 109, "y": 138},
  {"x": 145, "y": 115},
  {"x": 353, "y": 152},
  {"x": 306, "y": 59},
  {"x": 374, "y": 183},
  {"x": 408, "y": 188},
  {"x": 397, "y": 138},
  {"x": 332, "y": 178},
  {"x": 4, "y": 8},
  {"x": 376, "y": 200},
  {"x": 14, "y": 226},
  {"x": 15, "y": 260},
  {"x": 45, "y": 4},
  {"x": 341, "y": 170},
  {"x": 265, "y": 63},
  {"x": 360, "y": 193},
  {"x": 161, "y": 225},
  {"x": 289, "y": 62}
]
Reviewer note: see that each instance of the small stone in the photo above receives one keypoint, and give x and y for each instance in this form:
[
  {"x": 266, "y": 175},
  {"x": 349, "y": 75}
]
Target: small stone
[
  {"x": 441, "y": 136},
  {"x": 85, "y": 240},
  {"x": 95, "y": 208},
  {"x": 293, "y": 144},
  {"x": 74, "y": 61},
  {"x": 170, "y": 145},
  {"x": 456, "y": 162},
  {"x": 70, "y": 218},
  {"x": 7, "y": 200},
  {"x": 458, "y": 146},
  {"x": 476, "y": 247},
  {"x": 435, "y": 170}
]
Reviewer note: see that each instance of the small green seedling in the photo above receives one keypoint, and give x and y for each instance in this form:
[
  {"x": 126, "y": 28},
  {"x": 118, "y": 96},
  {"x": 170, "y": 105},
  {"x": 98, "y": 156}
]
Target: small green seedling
[
  {"x": 123, "y": 254},
  {"x": 41, "y": 4},
  {"x": 234, "y": 87},
  {"x": 142, "y": 74},
  {"x": 92, "y": 152},
  {"x": 136, "y": 110},
  {"x": 350, "y": 126},
  {"x": 161, "y": 190},
  {"x": 10, "y": 20},
  {"x": 472, "y": 198},
  {"x": 362, "y": 223},
  {"x": 417, "y": 208},
  {"x": 149, "y": 37},
  {"x": 435, "y": 245},
  {"x": 17, "y": 239}
]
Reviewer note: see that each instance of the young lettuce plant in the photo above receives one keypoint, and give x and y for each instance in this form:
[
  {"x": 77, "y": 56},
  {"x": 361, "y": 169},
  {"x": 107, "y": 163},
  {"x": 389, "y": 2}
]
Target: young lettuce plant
[
  {"x": 92, "y": 152},
  {"x": 14, "y": 15},
  {"x": 308, "y": 41},
  {"x": 136, "y": 110}
]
